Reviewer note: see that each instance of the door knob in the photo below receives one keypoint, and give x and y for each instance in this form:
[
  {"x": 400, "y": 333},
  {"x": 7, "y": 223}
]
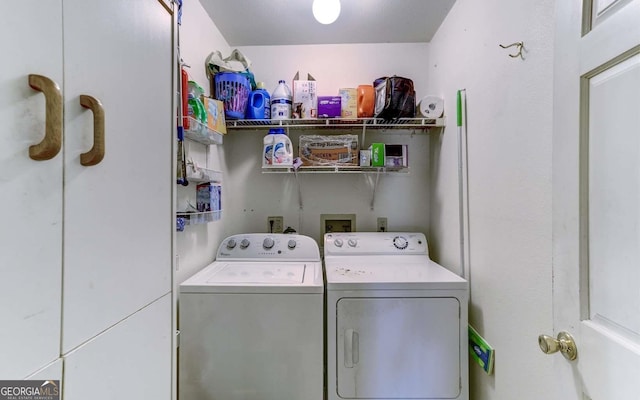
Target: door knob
[{"x": 564, "y": 344}]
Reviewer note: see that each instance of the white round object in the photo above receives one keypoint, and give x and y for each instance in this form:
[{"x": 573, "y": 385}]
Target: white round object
[
  {"x": 431, "y": 107},
  {"x": 326, "y": 11}
]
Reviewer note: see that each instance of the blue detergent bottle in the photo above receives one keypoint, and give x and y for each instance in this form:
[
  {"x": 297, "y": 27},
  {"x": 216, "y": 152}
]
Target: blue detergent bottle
[{"x": 259, "y": 104}]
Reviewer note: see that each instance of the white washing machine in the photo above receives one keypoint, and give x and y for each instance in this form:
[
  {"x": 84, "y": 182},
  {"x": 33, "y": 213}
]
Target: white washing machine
[
  {"x": 396, "y": 321},
  {"x": 252, "y": 322}
]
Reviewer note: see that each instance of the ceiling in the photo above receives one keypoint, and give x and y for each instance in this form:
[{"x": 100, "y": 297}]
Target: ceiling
[{"x": 291, "y": 22}]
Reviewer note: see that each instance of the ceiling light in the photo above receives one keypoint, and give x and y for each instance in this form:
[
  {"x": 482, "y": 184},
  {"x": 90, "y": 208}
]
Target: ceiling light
[{"x": 326, "y": 11}]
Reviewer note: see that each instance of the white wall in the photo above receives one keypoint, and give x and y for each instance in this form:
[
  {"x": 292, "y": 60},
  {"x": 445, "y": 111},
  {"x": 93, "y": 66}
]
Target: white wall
[
  {"x": 509, "y": 140},
  {"x": 509, "y": 105},
  {"x": 196, "y": 246},
  {"x": 338, "y": 66},
  {"x": 403, "y": 199}
]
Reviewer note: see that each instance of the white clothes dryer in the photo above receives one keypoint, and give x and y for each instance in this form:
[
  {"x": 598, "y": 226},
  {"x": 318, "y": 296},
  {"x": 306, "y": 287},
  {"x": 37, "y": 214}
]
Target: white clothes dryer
[
  {"x": 252, "y": 322},
  {"x": 396, "y": 320}
]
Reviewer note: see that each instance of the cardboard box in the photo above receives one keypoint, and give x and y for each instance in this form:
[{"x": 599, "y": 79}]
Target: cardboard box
[
  {"x": 329, "y": 106},
  {"x": 377, "y": 154},
  {"x": 305, "y": 98},
  {"x": 209, "y": 200},
  {"x": 318, "y": 150},
  {"x": 215, "y": 115},
  {"x": 349, "y": 105}
]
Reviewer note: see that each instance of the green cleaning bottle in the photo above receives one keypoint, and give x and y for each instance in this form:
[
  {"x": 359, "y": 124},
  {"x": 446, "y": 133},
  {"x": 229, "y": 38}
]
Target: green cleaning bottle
[{"x": 195, "y": 107}]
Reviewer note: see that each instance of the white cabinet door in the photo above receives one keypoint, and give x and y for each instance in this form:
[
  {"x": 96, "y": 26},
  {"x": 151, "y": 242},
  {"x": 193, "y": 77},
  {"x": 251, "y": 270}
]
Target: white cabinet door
[
  {"x": 131, "y": 360},
  {"x": 51, "y": 371},
  {"x": 118, "y": 213},
  {"x": 30, "y": 193},
  {"x": 49, "y": 375},
  {"x": 117, "y": 220}
]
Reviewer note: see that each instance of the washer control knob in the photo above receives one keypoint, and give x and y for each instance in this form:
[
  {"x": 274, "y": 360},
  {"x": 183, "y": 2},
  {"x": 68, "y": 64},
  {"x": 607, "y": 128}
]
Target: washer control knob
[
  {"x": 352, "y": 242},
  {"x": 244, "y": 243},
  {"x": 291, "y": 244},
  {"x": 400, "y": 242},
  {"x": 231, "y": 244},
  {"x": 338, "y": 242},
  {"x": 268, "y": 243}
]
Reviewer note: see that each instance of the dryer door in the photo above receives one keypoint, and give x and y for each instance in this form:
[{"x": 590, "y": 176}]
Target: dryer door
[{"x": 398, "y": 348}]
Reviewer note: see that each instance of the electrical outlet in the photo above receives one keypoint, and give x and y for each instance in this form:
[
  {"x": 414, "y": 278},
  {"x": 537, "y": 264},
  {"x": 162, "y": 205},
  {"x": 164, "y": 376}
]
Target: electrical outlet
[
  {"x": 337, "y": 223},
  {"x": 382, "y": 224},
  {"x": 275, "y": 224}
]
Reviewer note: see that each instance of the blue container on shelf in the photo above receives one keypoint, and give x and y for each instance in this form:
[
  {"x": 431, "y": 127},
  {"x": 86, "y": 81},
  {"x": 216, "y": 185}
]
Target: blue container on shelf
[
  {"x": 259, "y": 104},
  {"x": 233, "y": 90}
]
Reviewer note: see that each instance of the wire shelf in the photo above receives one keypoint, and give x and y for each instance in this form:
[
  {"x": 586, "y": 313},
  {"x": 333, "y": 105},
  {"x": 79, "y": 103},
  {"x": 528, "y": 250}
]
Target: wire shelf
[
  {"x": 400, "y": 123},
  {"x": 333, "y": 169},
  {"x": 199, "y": 132},
  {"x": 196, "y": 218}
]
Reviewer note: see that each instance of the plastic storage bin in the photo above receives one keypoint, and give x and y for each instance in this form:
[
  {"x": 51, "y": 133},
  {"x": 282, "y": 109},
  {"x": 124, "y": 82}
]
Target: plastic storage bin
[{"x": 233, "y": 90}]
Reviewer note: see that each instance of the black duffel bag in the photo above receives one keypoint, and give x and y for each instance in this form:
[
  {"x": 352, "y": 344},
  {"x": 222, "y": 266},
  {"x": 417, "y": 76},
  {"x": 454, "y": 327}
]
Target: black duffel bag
[{"x": 395, "y": 98}]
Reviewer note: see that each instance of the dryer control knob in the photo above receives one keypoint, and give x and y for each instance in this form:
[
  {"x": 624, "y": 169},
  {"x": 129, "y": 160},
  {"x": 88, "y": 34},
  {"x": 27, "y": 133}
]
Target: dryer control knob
[
  {"x": 244, "y": 243},
  {"x": 338, "y": 242},
  {"x": 231, "y": 244},
  {"x": 400, "y": 242},
  {"x": 352, "y": 242},
  {"x": 268, "y": 243},
  {"x": 291, "y": 244}
]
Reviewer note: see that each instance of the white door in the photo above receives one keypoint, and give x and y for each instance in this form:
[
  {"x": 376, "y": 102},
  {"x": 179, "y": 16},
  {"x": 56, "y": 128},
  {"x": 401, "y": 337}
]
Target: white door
[
  {"x": 30, "y": 192},
  {"x": 118, "y": 230},
  {"x": 596, "y": 197}
]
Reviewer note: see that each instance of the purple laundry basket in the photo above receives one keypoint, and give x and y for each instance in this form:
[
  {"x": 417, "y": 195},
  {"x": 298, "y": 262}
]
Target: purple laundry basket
[{"x": 233, "y": 90}]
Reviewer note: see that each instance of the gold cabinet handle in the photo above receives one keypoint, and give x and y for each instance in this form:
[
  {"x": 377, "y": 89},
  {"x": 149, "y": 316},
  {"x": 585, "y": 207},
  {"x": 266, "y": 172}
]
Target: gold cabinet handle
[
  {"x": 50, "y": 146},
  {"x": 564, "y": 344},
  {"x": 96, "y": 154}
]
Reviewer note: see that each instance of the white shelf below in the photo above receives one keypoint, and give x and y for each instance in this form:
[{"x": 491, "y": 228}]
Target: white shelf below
[
  {"x": 199, "y": 132},
  {"x": 184, "y": 219},
  {"x": 199, "y": 174}
]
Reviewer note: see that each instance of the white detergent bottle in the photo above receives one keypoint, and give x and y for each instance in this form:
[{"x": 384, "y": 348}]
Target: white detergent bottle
[
  {"x": 267, "y": 148},
  {"x": 282, "y": 149},
  {"x": 281, "y": 101}
]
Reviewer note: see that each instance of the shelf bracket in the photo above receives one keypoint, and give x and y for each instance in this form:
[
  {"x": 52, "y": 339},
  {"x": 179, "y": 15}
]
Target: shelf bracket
[
  {"x": 295, "y": 173},
  {"x": 375, "y": 187}
]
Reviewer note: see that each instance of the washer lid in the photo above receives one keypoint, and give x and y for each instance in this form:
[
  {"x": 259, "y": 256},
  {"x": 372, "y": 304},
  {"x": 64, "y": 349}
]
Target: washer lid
[
  {"x": 256, "y": 277},
  {"x": 264, "y": 273},
  {"x": 390, "y": 272}
]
